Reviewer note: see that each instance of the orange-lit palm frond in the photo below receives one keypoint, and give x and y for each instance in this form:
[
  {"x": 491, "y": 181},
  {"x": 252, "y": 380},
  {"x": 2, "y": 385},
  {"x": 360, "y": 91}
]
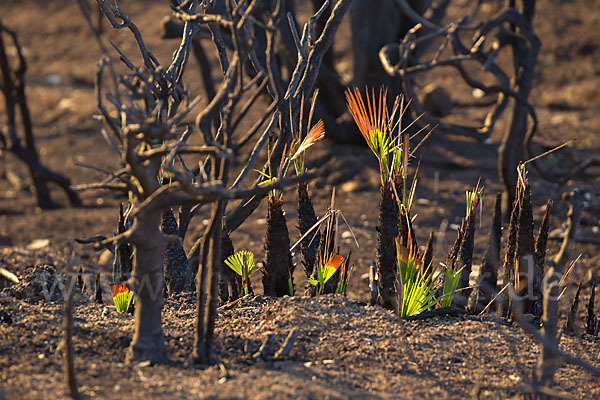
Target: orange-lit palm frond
[
  {"x": 117, "y": 289},
  {"x": 372, "y": 117},
  {"x": 316, "y": 133},
  {"x": 335, "y": 261}
]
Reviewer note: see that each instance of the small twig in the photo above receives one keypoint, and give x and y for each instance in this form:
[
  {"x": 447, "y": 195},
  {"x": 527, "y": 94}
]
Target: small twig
[
  {"x": 9, "y": 276},
  {"x": 264, "y": 348},
  {"x": 416, "y": 18},
  {"x": 287, "y": 345}
]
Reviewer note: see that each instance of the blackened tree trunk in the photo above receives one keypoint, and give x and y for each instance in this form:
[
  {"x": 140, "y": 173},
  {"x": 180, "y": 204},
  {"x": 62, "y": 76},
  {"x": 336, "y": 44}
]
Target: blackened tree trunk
[
  {"x": 278, "y": 259},
  {"x": 376, "y": 23},
  {"x": 387, "y": 230},
  {"x": 207, "y": 288},
  {"x": 12, "y": 86},
  {"x": 511, "y": 150},
  {"x": 177, "y": 274}
]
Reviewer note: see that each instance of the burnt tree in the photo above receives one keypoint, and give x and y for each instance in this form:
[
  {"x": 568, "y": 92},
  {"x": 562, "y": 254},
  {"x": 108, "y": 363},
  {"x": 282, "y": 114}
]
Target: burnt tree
[{"x": 23, "y": 146}]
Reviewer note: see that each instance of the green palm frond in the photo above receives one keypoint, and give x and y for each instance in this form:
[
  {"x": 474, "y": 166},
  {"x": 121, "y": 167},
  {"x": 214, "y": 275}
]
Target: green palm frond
[
  {"x": 451, "y": 279},
  {"x": 474, "y": 198},
  {"x": 417, "y": 285},
  {"x": 123, "y": 300},
  {"x": 242, "y": 263},
  {"x": 325, "y": 271}
]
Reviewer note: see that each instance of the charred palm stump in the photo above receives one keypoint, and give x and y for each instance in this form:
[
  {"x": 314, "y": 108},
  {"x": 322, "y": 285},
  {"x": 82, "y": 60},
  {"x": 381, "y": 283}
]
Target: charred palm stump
[
  {"x": 98, "y": 290},
  {"x": 487, "y": 283},
  {"x": 539, "y": 258},
  {"x": 123, "y": 262},
  {"x": 177, "y": 274},
  {"x": 525, "y": 266},
  {"x": 465, "y": 254},
  {"x": 453, "y": 253},
  {"x": 592, "y": 324},
  {"x": 307, "y": 218},
  {"x": 387, "y": 230},
  {"x": 278, "y": 259},
  {"x": 230, "y": 284},
  {"x": 80, "y": 281},
  {"x": 571, "y": 324},
  {"x": 509, "y": 257}
]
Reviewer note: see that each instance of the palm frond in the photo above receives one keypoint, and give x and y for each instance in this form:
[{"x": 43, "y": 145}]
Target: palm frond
[
  {"x": 242, "y": 263},
  {"x": 122, "y": 297},
  {"x": 316, "y": 133},
  {"x": 417, "y": 285}
]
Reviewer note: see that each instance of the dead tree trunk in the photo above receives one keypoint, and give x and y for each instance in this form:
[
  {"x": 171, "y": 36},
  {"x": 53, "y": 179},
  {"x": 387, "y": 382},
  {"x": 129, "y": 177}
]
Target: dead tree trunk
[
  {"x": 526, "y": 47},
  {"x": 13, "y": 90},
  {"x": 147, "y": 280},
  {"x": 207, "y": 287},
  {"x": 376, "y": 23}
]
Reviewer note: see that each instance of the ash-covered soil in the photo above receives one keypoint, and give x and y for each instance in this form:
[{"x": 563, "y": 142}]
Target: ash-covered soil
[{"x": 344, "y": 349}]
